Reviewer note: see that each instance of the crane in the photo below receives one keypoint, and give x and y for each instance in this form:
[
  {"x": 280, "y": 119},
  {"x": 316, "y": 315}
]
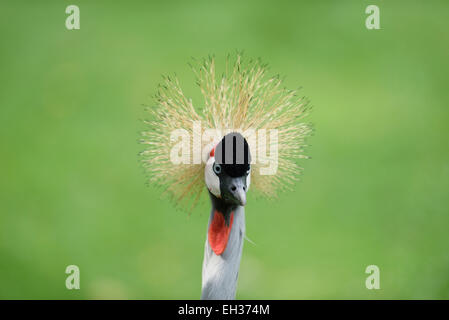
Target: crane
[
  {"x": 238, "y": 111},
  {"x": 227, "y": 183}
]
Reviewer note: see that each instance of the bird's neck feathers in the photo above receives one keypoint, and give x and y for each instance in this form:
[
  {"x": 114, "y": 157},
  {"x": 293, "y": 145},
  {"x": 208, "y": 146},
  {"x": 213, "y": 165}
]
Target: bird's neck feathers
[
  {"x": 223, "y": 250},
  {"x": 220, "y": 224}
]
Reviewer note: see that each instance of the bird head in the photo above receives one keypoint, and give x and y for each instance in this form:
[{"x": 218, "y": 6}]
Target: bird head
[{"x": 227, "y": 171}]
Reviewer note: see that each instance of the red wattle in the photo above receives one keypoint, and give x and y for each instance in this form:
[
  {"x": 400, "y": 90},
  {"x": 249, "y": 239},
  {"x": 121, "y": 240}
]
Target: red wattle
[{"x": 218, "y": 233}]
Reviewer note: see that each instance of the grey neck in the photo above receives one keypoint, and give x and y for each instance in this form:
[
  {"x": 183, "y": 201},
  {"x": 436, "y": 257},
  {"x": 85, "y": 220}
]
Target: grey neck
[{"x": 220, "y": 272}]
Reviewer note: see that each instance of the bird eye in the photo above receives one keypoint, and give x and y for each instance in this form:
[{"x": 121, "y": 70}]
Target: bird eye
[
  {"x": 248, "y": 171},
  {"x": 217, "y": 168}
]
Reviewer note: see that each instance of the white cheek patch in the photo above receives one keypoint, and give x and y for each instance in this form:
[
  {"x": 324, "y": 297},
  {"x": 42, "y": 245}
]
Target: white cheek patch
[
  {"x": 212, "y": 180},
  {"x": 248, "y": 181}
]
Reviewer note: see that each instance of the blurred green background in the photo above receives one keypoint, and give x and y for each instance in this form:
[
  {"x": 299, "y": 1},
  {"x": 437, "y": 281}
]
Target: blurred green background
[{"x": 375, "y": 192}]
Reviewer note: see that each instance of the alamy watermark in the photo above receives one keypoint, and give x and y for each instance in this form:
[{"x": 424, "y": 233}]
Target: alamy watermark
[
  {"x": 373, "y": 20},
  {"x": 73, "y": 20},
  {"x": 194, "y": 147},
  {"x": 373, "y": 280},
  {"x": 73, "y": 280}
]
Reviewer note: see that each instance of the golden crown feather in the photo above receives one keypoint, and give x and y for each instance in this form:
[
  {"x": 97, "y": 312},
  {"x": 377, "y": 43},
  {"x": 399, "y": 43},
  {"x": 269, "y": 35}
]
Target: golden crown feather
[{"x": 243, "y": 99}]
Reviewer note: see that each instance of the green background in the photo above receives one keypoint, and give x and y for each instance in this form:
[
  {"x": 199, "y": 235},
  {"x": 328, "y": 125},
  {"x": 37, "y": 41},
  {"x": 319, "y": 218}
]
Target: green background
[{"x": 376, "y": 190}]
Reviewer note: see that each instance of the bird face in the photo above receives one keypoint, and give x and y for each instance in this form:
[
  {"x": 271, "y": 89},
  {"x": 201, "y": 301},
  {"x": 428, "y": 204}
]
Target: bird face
[{"x": 228, "y": 169}]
